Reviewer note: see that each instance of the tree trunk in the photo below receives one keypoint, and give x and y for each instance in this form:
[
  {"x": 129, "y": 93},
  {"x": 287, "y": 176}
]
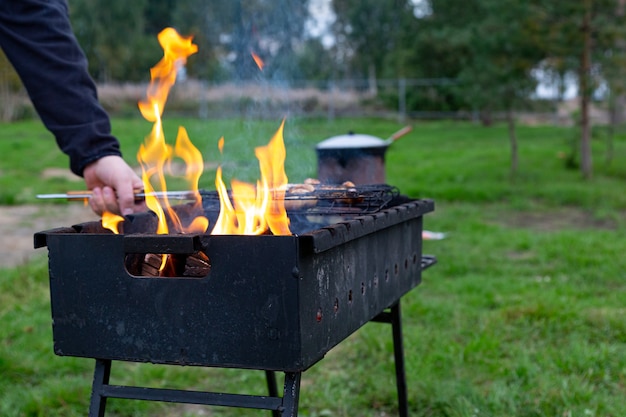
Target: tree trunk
[
  {"x": 513, "y": 142},
  {"x": 585, "y": 95}
]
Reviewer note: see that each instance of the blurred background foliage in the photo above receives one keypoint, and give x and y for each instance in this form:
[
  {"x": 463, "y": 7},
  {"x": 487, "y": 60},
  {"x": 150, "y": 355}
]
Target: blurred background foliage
[
  {"x": 490, "y": 51},
  {"x": 483, "y": 58}
]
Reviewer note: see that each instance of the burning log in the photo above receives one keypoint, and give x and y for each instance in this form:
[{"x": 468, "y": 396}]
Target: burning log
[
  {"x": 151, "y": 264},
  {"x": 196, "y": 265}
]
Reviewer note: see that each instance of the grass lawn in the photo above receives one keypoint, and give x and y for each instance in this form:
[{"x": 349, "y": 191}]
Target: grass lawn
[{"x": 524, "y": 314}]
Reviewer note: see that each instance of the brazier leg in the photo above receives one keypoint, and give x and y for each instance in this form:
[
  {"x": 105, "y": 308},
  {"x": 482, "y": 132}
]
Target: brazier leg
[
  {"x": 100, "y": 378},
  {"x": 272, "y": 388},
  {"x": 398, "y": 353},
  {"x": 291, "y": 394}
]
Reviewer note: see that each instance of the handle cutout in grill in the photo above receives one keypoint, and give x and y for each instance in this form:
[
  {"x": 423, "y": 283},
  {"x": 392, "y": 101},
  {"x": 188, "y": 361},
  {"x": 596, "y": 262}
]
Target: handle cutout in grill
[{"x": 154, "y": 265}]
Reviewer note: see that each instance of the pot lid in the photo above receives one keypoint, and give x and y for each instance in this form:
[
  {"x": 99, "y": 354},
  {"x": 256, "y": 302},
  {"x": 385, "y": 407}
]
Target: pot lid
[{"x": 352, "y": 140}]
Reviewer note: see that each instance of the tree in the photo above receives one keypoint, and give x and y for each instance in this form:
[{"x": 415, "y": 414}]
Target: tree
[
  {"x": 580, "y": 35},
  {"x": 368, "y": 35},
  {"x": 112, "y": 33},
  {"x": 504, "y": 50},
  {"x": 490, "y": 47}
]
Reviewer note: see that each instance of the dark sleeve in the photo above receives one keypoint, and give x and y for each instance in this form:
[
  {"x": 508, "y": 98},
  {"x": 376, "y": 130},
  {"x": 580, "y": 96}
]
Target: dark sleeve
[{"x": 37, "y": 38}]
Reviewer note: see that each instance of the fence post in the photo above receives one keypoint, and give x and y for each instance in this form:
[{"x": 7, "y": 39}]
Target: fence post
[
  {"x": 402, "y": 100},
  {"x": 203, "y": 110},
  {"x": 331, "y": 101}
]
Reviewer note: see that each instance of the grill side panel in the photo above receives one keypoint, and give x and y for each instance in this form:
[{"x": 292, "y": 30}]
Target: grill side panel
[
  {"x": 244, "y": 314},
  {"x": 349, "y": 285},
  {"x": 270, "y": 302}
]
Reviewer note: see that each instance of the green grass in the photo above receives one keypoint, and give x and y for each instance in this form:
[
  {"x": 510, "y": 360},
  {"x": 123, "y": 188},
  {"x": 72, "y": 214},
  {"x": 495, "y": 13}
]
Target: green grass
[{"x": 522, "y": 316}]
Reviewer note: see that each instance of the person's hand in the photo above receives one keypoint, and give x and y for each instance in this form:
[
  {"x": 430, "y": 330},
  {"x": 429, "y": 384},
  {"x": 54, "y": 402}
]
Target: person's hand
[{"x": 113, "y": 183}]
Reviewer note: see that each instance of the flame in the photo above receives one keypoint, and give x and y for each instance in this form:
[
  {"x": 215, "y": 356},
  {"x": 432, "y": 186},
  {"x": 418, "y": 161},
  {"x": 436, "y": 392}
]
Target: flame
[
  {"x": 155, "y": 154},
  {"x": 256, "y": 209},
  {"x": 111, "y": 221},
  {"x": 163, "y": 75},
  {"x": 274, "y": 181},
  {"x": 258, "y": 61}
]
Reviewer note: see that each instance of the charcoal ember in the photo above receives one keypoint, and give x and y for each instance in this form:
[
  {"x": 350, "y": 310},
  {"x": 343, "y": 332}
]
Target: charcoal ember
[
  {"x": 197, "y": 265},
  {"x": 151, "y": 264},
  {"x": 134, "y": 263}
]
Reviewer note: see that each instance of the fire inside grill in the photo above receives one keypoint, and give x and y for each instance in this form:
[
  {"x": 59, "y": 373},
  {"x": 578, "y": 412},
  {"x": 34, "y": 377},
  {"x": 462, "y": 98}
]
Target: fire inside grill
[
  {"x": 308, "y": 208},
  {"x": 312, "y": 206}
]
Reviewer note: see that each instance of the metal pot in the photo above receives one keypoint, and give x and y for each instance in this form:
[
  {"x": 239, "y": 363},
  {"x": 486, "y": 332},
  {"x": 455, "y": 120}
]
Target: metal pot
[{"x": 357, "y": 158}]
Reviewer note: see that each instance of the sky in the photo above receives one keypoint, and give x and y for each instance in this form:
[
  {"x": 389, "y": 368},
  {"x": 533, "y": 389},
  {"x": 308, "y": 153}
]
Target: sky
[{"x": 323, "y": 17}]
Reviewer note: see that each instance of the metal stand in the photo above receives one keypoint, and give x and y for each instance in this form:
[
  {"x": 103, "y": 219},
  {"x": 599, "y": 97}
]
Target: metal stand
[
  {"x": 394, "y": 317},
  {"x": 286, "y": 406}
]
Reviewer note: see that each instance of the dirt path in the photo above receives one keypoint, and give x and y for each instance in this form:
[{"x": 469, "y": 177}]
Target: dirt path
[{"x": 18, "y": 224}]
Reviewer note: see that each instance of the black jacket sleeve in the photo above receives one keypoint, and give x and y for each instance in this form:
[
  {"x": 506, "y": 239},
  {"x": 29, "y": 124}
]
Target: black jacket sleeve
[{"x": 37, "y": 37}]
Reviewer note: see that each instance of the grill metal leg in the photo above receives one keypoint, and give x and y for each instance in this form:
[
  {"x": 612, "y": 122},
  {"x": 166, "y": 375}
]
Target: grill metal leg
[
  {"x": 101, "y": 377},
  {"x": 398, "y": 353},
  {"x": 291, "y": 394},
  {"x": 272, "y": 388},
  {"x": 394, "y": 317}
]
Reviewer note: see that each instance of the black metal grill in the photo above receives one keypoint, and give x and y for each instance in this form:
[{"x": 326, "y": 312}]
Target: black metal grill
[{"x": 273, "y": 303}]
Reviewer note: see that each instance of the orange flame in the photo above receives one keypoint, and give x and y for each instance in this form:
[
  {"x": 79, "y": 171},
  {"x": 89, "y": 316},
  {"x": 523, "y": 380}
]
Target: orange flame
[
  {"x": 256, "y": 209},
  {"x": 258, "y": 61},
  {"x": 154, "y": 154},
  {"x": 163, "y": 75},
  {"x": 111, "y": 221}
]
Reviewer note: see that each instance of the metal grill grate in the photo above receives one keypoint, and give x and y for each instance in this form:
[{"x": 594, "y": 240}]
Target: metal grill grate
[{"x": 331, "y": 200}]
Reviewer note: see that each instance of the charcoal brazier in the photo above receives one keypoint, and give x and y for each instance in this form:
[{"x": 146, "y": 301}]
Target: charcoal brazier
[{"x": 274, "y": 303}]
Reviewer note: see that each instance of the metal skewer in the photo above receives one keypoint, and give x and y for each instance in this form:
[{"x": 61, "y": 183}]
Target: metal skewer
[{"x": 140, "y": 195}]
